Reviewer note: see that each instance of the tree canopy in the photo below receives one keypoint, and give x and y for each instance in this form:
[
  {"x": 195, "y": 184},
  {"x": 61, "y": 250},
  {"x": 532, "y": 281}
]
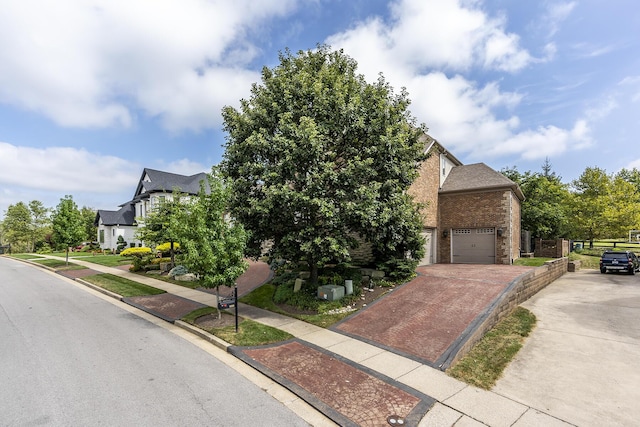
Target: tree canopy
[
  {"x": 25, "y": 225},
  {"x": 68, "y": 227},
  {"x": 317, "y": 156},
  {"x": 213, "y": 246},
  {"x": 544, "y": 211}
]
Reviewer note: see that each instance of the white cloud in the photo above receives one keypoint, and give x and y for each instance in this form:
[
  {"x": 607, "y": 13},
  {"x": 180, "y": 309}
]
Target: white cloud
[
  {"x": 425, "y": 40},
  {"x": 556, "y": 14},
  {"x": 65, "y": 170},
  {"x": 447, "y": 34},
  {"x": 88, "y": 63}
]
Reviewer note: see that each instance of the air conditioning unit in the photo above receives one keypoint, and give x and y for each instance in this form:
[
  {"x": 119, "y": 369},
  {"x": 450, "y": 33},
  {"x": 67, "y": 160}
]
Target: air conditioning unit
[{"x": 330, "y": 292}]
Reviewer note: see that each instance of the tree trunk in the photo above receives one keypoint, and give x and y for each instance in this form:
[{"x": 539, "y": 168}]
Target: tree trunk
[
  {"x": 67, "y": 257},
  {"x": 313, "y": 269},
  {"x": 172, "y": 255},
  {"x": 218, "y": 302}
]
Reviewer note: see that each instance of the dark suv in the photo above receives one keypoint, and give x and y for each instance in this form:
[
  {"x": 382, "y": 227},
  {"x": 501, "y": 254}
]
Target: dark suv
[{"x": 619, "y": 261}]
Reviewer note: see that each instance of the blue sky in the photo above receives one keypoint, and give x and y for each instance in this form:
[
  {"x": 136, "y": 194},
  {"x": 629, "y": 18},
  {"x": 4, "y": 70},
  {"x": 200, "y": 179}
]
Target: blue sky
[{"x": 93, "y": 91}]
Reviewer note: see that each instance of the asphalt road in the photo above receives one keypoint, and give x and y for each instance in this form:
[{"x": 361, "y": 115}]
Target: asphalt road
[
  {"x": 582, "y": 361},
  {"x": 68, "y": 357}
]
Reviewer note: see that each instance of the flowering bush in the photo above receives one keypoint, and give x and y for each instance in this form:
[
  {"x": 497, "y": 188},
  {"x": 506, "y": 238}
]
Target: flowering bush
[
  {"x": 165, "y": 248},
  {"x": 136, "y": 252}
]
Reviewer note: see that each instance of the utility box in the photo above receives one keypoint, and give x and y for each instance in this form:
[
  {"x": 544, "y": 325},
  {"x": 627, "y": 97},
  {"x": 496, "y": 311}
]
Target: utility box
[{"x": 330, "y": 292}]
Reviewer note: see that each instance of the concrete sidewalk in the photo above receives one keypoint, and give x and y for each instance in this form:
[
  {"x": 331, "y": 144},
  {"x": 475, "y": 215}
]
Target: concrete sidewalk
[{"x": 456, "y": 403}]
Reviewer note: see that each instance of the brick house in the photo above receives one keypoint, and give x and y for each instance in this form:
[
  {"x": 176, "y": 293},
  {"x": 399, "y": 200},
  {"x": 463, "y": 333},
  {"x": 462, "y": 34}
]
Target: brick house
[{"x": 472, "y": 212}]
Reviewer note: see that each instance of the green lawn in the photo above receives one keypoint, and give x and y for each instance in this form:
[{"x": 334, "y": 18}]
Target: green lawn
[
  {"x": 486, "y": 361},
  {"x": 532, "y": 262},
  {"x": 25, "y": 256},
  {"x": 108, "y": 260},
  {"x": 249, "y": 333},
  {"x": 59, "y": 264},
  {"x": 122, "y": 286}
]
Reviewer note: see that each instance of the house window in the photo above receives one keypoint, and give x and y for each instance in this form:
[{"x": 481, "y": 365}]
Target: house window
[
  {"x": 113, "y": 232},
  {"x": 101, "y": 236}
]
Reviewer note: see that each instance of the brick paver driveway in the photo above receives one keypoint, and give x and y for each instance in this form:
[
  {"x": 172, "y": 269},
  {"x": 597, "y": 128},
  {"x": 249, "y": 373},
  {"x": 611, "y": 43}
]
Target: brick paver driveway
[{"x": 425, "y": 317}]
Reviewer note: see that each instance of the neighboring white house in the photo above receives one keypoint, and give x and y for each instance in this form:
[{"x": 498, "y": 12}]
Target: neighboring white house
[{"x": 153, "y": 187}]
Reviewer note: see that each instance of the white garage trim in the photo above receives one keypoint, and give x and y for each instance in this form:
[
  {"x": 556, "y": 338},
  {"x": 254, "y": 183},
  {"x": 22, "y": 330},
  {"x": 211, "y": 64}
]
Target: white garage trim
[
  {"x": 429, "y": 247},
  {"x": 473, "y": 246}
]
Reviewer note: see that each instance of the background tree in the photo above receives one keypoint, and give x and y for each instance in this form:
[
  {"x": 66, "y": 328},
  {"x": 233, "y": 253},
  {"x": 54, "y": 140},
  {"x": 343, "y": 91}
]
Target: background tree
[
  {"x": 589, "y": 204},
  {"x": 40, "y": 222},
  {"x": 213, "y": 247},
  {"x": 25, "y": 225},
  {"x": 162, "y": 224},
  {"x": 632, "y": 176},
  {"x": 68, "y": 228},
  {"x": 316, "y": 155},
  {"x": 545, "y": 208},
  {"x": 17, "y": 227},
  {"x": 88, "y": 222}
]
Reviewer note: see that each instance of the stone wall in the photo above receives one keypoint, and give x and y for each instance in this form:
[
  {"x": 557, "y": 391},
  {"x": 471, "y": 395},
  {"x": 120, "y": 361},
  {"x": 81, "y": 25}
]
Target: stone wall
[
  {"x": 551, "y": 248},
  {"x": 520, "y": 290}
]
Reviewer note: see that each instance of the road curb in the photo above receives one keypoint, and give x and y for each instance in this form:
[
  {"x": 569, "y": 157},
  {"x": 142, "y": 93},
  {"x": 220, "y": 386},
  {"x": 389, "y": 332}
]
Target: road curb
[{"x": 204, "y": 335}]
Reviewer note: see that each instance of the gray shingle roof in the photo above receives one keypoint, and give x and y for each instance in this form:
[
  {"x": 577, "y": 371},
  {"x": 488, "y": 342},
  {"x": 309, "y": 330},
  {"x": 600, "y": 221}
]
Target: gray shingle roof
[
  {"x": 160, "y": 181},
  {"x": 477, "y": 177},
  {"x": 123, "y": 216}
]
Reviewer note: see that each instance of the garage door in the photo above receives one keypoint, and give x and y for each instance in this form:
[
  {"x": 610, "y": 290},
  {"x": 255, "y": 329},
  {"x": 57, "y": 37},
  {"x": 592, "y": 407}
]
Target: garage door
[{"x": 473, "y": 246}]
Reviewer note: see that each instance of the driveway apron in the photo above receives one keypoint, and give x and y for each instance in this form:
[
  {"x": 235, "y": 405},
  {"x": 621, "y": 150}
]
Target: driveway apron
[{"x": 425, "y": 317}]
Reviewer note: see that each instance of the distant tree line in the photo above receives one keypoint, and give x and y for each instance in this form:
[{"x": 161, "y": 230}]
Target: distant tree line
[
  {"x": 31, "y": 227},
  {"x": 596, "y": 205}
]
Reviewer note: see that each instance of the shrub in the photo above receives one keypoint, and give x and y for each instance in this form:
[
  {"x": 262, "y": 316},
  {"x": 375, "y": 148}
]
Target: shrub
[
  {"x": 160, "y": 260},
  {"x": 399, "y": 269},
  {"x": 121, "y": 244},
  {"x": 136, "y": 252},
  {"x": 165, "y": 248}
]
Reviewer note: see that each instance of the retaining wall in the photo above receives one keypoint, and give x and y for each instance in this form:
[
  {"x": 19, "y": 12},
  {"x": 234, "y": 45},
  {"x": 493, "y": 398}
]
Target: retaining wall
[{"x": 520, "y": 290}]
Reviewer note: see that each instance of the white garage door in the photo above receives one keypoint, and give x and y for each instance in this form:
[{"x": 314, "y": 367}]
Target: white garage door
[{"x": 473, "y": 246}]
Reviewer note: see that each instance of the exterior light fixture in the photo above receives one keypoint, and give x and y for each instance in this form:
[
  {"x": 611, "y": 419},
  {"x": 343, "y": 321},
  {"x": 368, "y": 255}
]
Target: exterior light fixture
[
  {"x": 445, "y": 233},
  {"x": 499, "y": 232}
]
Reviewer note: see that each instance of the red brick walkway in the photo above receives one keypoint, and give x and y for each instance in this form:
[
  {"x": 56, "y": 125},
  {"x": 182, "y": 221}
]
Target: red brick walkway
[
  {"x": 343, "y": 390},
  {"x": 165, "y": 306},
  {"x": 424, "y": 317}
]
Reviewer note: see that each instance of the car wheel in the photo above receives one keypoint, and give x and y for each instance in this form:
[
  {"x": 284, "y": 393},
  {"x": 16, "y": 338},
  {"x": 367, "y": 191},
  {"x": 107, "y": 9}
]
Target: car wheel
[{"x": 603, "y": 270}]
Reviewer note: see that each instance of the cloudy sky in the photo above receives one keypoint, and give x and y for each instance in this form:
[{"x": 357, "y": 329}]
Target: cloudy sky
[{"x": 93, "y": 91}]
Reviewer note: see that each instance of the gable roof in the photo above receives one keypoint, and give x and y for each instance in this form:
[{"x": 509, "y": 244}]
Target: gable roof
[
  {"x": 155, "y": 181},
  {"x": 477, "y": 177},
  {"x": 123, "y": 216}
]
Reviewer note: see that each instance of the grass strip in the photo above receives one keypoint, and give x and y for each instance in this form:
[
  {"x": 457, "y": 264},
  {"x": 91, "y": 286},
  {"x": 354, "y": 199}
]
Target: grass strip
[
  {"x": 25, "y": 256},
  {"x": 532, "y": 262},
  {"x": 58, "y": 265},
  {"x": 486, "y": 361},
  {"x": 249, "y": 333},
  {"x": 122, "y": 286}
]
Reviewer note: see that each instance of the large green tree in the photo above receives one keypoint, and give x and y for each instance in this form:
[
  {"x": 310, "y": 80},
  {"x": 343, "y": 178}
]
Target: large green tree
[
  {"x": 68, "y": 227},
  {"x": 545, "y": 208},
  {"x": 213, "y": 246},
  {"x": 317, "y": 155}
]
